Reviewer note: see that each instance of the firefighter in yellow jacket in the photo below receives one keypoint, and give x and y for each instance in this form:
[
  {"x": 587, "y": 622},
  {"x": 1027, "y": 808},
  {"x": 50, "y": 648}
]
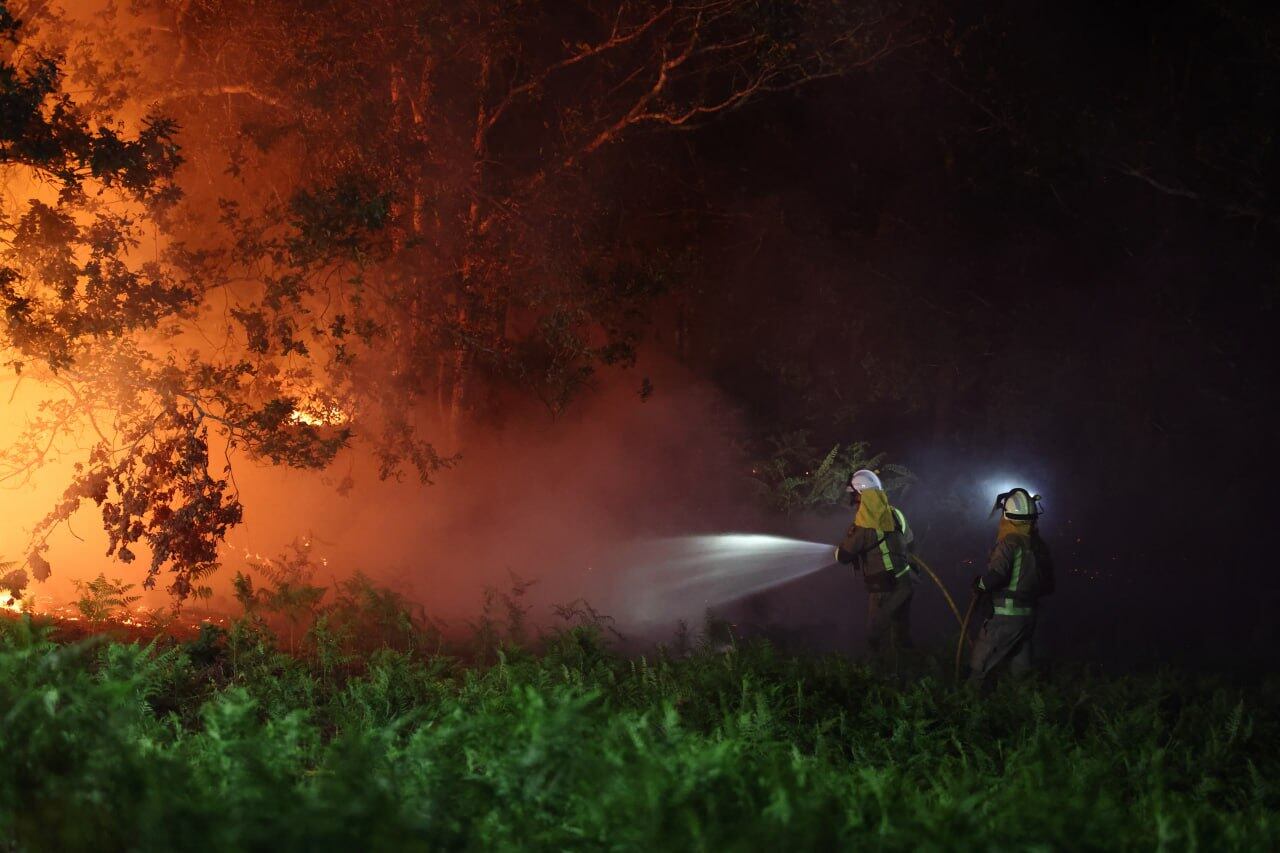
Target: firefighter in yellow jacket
[{"x": 879, "y": 544}]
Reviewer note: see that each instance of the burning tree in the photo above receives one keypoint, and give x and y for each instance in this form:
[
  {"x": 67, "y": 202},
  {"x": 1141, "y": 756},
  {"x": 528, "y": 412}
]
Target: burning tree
[
  {"x": 106, "y": 330},
  {"x": 406, "y": 208}
]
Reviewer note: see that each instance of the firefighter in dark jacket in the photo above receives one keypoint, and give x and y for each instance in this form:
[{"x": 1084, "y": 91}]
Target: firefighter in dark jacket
[
  {"x": 879, "y": 545},
  {"x": 1019, "y": 573}
]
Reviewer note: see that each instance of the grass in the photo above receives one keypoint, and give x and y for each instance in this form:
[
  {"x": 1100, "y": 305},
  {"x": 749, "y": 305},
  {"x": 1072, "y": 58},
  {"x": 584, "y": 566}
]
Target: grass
[{"x": 226, "y": 743}]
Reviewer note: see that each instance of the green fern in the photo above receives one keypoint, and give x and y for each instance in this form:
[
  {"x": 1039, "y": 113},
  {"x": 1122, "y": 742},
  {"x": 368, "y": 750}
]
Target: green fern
[
  {"x": 101, "y": 599},
  {"x": 226, "y": 743}
]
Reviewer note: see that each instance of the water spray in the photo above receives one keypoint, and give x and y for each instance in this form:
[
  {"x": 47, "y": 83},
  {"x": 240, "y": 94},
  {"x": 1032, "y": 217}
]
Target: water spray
[{"x": 688, "y": 574}]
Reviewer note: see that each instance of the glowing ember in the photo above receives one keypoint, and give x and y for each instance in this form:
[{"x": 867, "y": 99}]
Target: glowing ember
[
  {"x": 319, "y": 416},
  {"x": 138, "y": 617}
]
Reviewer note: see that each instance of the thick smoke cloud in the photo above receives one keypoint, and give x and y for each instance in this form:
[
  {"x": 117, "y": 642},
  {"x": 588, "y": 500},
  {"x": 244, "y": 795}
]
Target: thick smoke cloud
[{"x": 550, "y": 501}]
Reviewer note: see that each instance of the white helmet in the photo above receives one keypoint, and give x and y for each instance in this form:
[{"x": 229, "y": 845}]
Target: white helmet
[
  {"x": 1019, "y": 504},
  {"x": 862, "y": 480}
]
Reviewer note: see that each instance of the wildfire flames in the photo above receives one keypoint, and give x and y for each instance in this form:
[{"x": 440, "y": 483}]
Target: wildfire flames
[
  {"x": 138, "y": 617},
  {"x": 319, "y": 416}
]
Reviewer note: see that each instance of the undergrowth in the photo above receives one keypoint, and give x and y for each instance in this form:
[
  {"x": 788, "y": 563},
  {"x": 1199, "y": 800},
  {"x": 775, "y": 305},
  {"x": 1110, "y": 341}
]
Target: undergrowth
[{"x": 374, "y": 735}]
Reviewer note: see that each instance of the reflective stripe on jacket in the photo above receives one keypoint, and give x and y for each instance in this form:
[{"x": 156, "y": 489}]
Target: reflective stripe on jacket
[
  {"x": 879, "y": 556},
  {"x": 1018, "y": 573}
]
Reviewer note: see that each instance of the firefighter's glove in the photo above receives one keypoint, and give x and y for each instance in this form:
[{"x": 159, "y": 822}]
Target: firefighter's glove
[{"x": 843, "y": 556}]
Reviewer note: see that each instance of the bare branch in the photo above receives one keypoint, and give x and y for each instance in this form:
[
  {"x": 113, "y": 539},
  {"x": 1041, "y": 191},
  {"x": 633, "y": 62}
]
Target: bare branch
[
  {"x": 615, "y": 40},
  {"x": 642, "y": 103},
  {"x": 219, "y": 91},
  {"x": 1231, "y": 208},
  {"x": 1167, "y": 189}
]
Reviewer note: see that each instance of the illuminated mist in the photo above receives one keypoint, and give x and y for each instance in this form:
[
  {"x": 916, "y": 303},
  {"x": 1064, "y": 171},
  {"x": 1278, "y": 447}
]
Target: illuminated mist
[{"x": 680, "y": 578}]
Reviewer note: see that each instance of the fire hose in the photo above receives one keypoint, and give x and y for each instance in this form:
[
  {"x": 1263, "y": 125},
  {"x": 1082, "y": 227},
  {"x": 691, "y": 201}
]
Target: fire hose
[
  {"x": 950, "y": 601},
  {"x": 964, "y": 632},
  {"x": 968, "y": 614}
]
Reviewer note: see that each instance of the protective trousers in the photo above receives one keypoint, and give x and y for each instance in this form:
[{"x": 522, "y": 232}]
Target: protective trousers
[
  {"x": 1003, "y": 638},
  {"x": 889, "y": 619}
]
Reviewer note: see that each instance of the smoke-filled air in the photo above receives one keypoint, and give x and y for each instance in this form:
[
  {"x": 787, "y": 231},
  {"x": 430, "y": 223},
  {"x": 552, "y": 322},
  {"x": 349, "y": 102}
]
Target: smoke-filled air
[{"x": 718, "y": 424}]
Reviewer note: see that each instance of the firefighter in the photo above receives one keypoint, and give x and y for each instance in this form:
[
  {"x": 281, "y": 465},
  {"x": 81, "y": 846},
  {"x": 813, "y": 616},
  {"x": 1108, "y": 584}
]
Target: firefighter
[
  {"x": 1019, "y": 573},
  {"x": 880, "y": 546}
]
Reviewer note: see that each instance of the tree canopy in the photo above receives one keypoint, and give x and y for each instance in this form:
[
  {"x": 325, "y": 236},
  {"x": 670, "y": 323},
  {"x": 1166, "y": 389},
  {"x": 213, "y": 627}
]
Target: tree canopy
[{"x": 396, "y": 214}]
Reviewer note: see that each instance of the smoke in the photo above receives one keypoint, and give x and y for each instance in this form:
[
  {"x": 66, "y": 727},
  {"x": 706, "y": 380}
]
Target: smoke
[
  {"x": 546, "y": 500},
  {"x": 550, "y": 501}
]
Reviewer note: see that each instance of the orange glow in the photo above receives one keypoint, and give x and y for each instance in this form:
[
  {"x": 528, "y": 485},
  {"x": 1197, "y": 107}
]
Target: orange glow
[
  {"x": 593, "y": 476},
  {"x": 319, "y": 416}
]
